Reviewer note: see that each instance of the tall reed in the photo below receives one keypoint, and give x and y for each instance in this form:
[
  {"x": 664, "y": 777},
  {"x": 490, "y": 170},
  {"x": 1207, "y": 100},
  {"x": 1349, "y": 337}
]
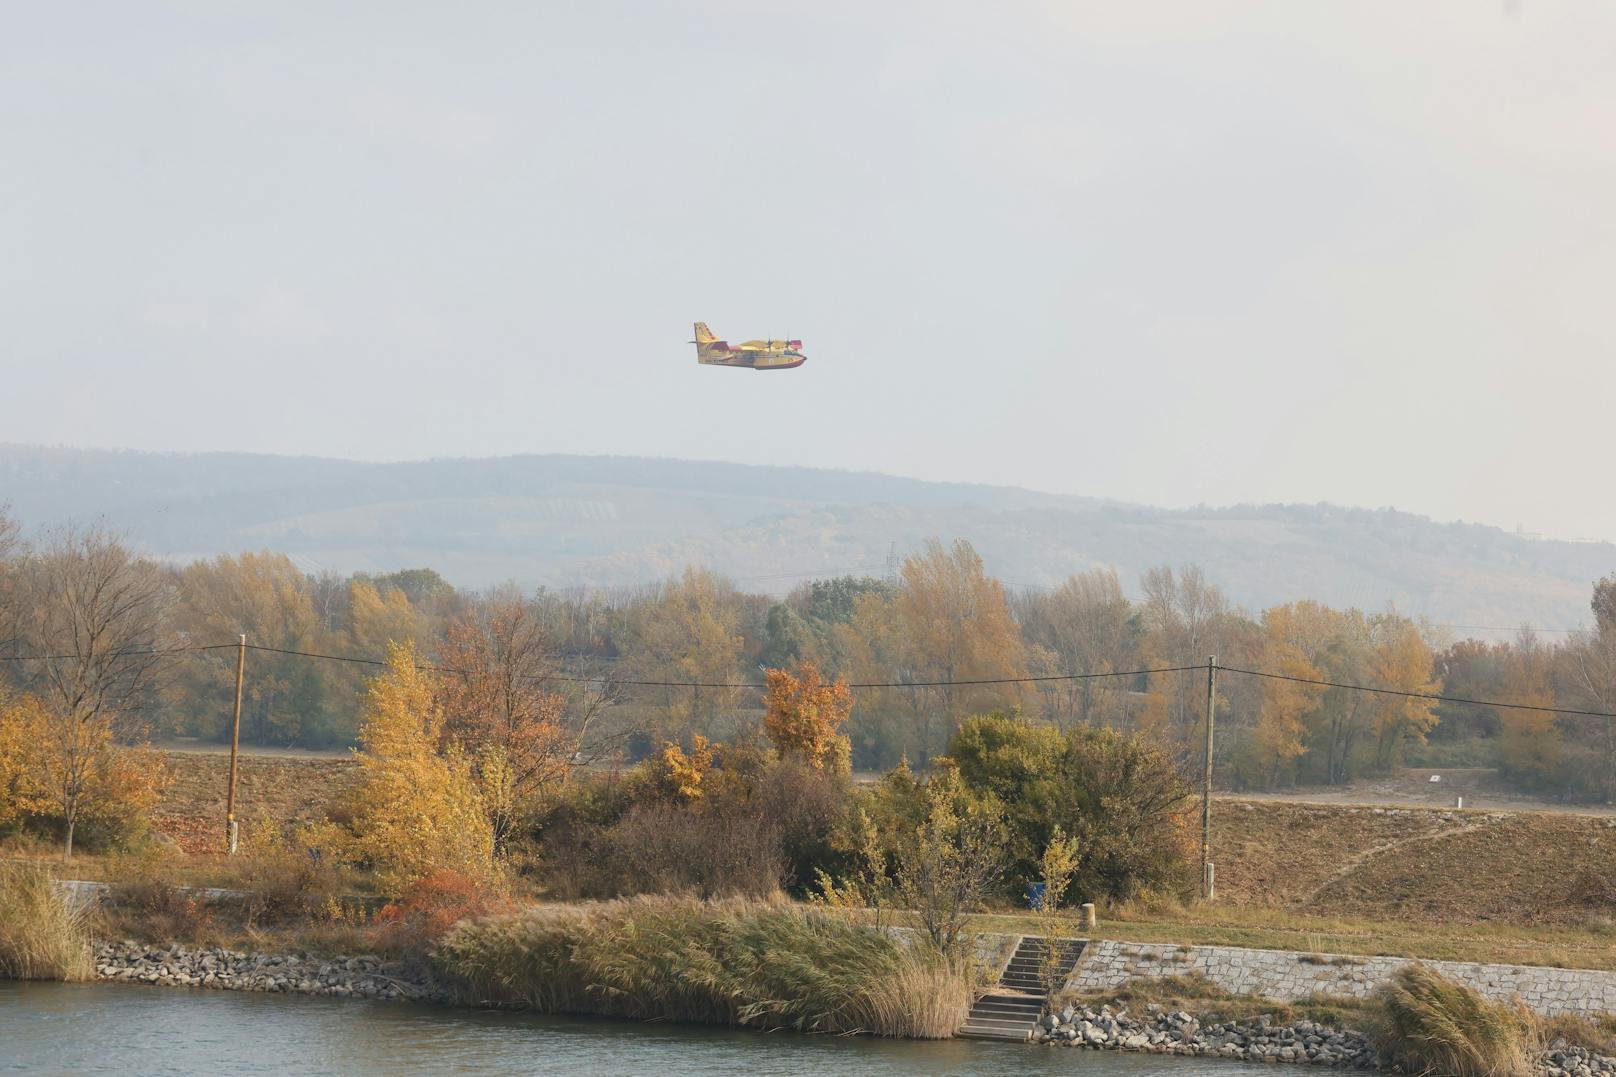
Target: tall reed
[
  {"x": 729, "y": 963},
  {"x": 44, "y": 933},
  {"x": 1436, "y": 1026}
]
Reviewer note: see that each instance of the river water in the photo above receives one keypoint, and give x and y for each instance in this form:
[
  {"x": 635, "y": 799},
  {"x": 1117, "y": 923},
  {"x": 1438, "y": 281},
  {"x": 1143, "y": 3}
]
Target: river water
[{"x": 104, "y": 1028}]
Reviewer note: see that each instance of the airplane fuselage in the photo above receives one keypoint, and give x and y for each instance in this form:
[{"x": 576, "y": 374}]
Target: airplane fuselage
[
  {"x": 754, "y": 354},
  {"x": 781, "y": 360}
]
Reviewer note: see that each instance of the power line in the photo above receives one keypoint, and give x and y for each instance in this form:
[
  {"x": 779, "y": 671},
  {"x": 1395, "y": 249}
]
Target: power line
[
  {"x": 1026, "y": 680},
  {"x": 862, "y": 686},
  {"x": 824, "y": 574},
  {"x": 745, "y": 684},
  {"x": 1417, "y": 695},
  {"x": 145, "y": 653},
  {"x": 1504, "y": 628}
]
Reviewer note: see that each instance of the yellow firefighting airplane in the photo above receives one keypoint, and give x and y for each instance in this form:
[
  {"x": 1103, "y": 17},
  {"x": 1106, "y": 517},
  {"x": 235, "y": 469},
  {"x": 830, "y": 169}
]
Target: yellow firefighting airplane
[{"x": 754, "y": 354}]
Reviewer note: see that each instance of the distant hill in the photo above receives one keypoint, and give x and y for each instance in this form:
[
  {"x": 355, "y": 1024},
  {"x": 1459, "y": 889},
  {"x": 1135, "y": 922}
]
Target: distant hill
[{"x": 563, "y": 520}]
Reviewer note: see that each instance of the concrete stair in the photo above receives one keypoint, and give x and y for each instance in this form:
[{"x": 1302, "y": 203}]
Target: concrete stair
[
  {"x": 1003, "y": 1016},
  {"x": 1011, "y": 1011},
  {"x": 1024, "y": 973}
]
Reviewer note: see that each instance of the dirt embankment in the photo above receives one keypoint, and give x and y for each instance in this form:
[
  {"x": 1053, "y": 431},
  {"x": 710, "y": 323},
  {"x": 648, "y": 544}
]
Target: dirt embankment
[
  {"x": 1416, "y": 864},
  {"x": 273, "y": 789}
]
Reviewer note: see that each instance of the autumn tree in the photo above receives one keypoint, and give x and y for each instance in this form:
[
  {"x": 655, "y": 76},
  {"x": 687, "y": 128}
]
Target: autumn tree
[
  {"x": 416, "y": 808},
  {"x": 1603, "y": 604},
  {"x": 379, "y": 618},
  {"x": 802, "y": 714},
  {"x": 502, "y": 709},
  {"x": 95, "y": 612},
  {"x": 1590, "y": 676},
  {"x": 1531, "y": 744},
  {"x": 1083, "y": 626},
  {"x": 887, "y": 724},
  {"x": 287, "y": 699},
  {"x": 1400, "y": 660},
  {"x": 1293, "y": 637},
  {"x": 956, "y": 627},
  {"x": 10, "y": 606},
  {"x": 691, "y": 633},
  {"x": 683, "y": 775},
  {"x": 21, "y": 733},
  {"x": 10, "y": 534},
  {"x": 1342, "y": 646},
  {"x": 1471, "y": 669},
  {"x": 1185, "y": 619}
]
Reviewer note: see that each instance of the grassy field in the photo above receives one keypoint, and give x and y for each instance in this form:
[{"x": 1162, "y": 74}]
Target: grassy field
[{"x": 1509, "y": 887}]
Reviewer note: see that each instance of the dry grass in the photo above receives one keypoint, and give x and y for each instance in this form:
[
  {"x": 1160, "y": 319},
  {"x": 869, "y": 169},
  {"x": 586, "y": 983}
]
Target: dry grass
[
  {"x": 1597, "y": 1034},
  {"x": 1435, "y": 1026},
  {"x": 768, "y": 966},
  {"x": 43, "y": 935}
]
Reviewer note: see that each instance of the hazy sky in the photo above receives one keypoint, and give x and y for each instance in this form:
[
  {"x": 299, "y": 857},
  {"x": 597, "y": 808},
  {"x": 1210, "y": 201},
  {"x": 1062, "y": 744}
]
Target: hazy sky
[{"x": 1162, "y": 252}]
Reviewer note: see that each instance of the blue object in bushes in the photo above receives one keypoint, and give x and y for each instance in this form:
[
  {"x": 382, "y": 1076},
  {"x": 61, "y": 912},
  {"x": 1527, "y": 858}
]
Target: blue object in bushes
[{"x": 1035, "y": 896}]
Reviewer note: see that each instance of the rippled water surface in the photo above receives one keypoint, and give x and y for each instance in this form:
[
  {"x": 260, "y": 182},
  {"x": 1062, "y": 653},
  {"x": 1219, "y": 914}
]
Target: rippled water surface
[{"x": 103, "y": 1028}]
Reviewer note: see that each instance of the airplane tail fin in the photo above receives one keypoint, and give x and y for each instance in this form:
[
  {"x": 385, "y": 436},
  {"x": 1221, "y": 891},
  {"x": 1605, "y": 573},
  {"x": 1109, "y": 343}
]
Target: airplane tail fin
[{"x": 703, "y": 334}]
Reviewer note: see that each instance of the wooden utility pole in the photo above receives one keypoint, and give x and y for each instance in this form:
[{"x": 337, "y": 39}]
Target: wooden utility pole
[
  {"x": 1207, "y": 889},
  {"x": 231, "y": 832}
]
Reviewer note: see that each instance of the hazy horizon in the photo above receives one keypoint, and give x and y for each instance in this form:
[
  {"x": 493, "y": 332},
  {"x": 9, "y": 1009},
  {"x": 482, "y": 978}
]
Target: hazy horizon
[{"x": 1168, "y": 254}]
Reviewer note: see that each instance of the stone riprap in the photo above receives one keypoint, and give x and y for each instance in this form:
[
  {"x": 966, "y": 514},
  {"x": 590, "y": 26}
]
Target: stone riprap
[
  {"x": 231, "y": 970},
  {"x": 1107, "y": 965},
  {"x": 1258, "y": 1039},
  {"x": 1161, "y": 1032}
]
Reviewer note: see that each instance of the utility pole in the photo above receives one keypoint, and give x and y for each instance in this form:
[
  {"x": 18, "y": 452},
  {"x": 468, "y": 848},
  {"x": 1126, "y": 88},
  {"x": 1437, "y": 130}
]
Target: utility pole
[
  {"x": 232, "y": 834},
  {"x": 1207, "y": 889}
]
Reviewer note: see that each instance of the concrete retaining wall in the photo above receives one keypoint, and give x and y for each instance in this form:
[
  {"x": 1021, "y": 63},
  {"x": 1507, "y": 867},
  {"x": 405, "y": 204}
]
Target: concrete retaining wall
[{"x": 1281, "y": 974}]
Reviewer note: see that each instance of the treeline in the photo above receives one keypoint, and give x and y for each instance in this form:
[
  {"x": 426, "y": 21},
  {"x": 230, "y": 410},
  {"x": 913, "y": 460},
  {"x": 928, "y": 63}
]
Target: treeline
[{"x": 619, "y": 665}]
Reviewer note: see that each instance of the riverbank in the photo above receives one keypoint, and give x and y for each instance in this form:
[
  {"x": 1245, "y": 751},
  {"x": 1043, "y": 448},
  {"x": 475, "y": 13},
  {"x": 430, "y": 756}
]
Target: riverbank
[
  {"x": 364, "y": 976},
  {"x": 1182, "y": 1033},
  {"x": 1260, "y": 1040},
  {"x": 1208, "y": 1034}
]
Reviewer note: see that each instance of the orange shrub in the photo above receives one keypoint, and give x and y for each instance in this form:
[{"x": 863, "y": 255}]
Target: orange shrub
[{"x": 430, "y": 906}]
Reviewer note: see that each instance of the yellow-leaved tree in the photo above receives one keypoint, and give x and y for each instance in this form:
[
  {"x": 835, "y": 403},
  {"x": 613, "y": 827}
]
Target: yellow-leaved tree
[
  {"x": 957, "y": 627},
  {"x": 1532, "y": 743},
  {"x": 1401, "y": 661},
  {"x": 691, "y": 632},
  {"x": 417, "y": 809},
  {"x": 802, "y": 714},
  {"x": 1288, "y": 648},
  {"x": 683, "y": 774},
  {"x": 21, "y": 730}
]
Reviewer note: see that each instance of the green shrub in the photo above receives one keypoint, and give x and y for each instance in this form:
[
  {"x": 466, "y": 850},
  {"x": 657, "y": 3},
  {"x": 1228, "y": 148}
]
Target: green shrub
[
  {"x": 1435, "y": 1026},
  {"x": 1121, "y": 798},
  {"x": 44, "y": 934},
  {"x": 727, "y": 963}
]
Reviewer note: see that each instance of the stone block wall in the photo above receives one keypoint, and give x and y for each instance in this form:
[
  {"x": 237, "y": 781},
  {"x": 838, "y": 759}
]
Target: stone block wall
[{"x": 1281, "y": 974}]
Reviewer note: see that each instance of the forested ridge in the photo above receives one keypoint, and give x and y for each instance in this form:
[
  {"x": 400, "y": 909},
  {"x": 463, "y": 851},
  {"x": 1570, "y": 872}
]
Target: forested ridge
[{"x": 561, "y": 521}]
